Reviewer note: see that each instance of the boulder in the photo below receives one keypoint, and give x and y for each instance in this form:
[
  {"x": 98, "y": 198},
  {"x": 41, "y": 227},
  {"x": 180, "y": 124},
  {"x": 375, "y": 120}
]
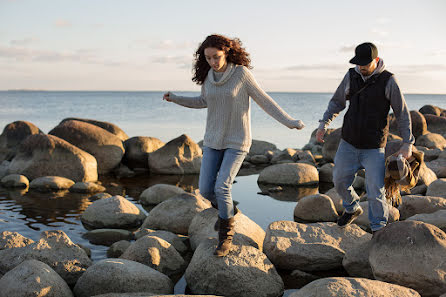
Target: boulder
[
  {"x": 245, "y": 271},
  {"x": 4, "y": 168},
  {"x": 285, "y": 156},
  {"x": 247, "y": 232},
  {"x": 107, "y": 236},
  {"x": 306, "y": 156},
  {"x": 15, "y": 181},
  {"x": 53, "y": 248},
  {"x": 118, "y": 248},
  {"x": 47, "y": 155},
  {"x": 13, "y": 135},
  {"x": 159, "y": 193},
  {"x": 148, "y": 294},
  {"x": 415, "y": 204},
  {"x": 106, "y": 147},
  {"x": 310, "y": 247},
  {"x": 176, "y": 213},
  {"x": 429, "y": 154},
  {"x": 293, "y": 174},
  {"x": 13, "y": 240},
  {"x": 326, "y": 173},
  {"x": 179, "y": 156},
  {"x": 115, "y": 213},
  {"x": 399, "y": 248},
  {"x": 363, "y": 219},
  {"x": 315, "y": 208},
  {"x": 432, "y": 141},
  {"x": 112, "y": 128},
  {"x": 419, "y": 126},
  {"x": 175, "y": 240},
  {"x": 259, "y": 159},
  {"x": 33, "y": 278},
  {"x": 137, "y": 150},
  {"x": 347, "y": 286},
  {"x": 437, "y": 188},
  {"x": 337, "y": 200},
  {"x": 158, "y": 254},
  {"x": 121, "y": 276},
  {"x": 437, "y": 218},
  {"x": 51, "y": 183},
  {"x": 99, "y": 196},
  {"x": 436, "y": 124},
  {"x": 331, "y": 143},
  {"x": 430, "y": 109},
  {"x": 438, "y": 166},
  {"x": 86, "y": 188},
  {"x": 356, "y": 261},
  {"x": 260, "y": 147}
]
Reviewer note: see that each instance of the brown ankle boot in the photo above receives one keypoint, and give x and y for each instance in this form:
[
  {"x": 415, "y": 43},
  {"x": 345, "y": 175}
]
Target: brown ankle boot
[
  {"x": 217, "y": 223},
  {"x": 225, "y": 233}
]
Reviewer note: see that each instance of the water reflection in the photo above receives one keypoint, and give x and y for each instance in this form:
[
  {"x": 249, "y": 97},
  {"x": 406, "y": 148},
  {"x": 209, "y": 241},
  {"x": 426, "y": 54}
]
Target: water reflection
[{"x": 287, "y": 193}]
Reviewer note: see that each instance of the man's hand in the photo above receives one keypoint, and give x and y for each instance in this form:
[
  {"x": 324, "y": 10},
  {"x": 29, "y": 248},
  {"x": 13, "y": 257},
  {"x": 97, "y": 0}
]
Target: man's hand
[
  {"x": 166, "y": 97},
  {"x": 320, "y": 135},
  {"x": 406, "y": 150}
]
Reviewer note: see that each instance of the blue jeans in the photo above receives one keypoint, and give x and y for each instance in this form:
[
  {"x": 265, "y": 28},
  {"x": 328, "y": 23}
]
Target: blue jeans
[
  {"x": 348, "y": 161},
  {"x": 218, "y": 171}
]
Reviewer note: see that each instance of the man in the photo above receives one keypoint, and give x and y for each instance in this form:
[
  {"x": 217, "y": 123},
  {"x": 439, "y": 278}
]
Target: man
[{"x": 371, "y": 91}]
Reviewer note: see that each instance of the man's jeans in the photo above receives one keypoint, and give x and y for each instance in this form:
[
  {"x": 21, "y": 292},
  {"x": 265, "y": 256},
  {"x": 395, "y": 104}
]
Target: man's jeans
[
  {"x": 218, "y": 171},
  {"x": 348, "y": 161}
]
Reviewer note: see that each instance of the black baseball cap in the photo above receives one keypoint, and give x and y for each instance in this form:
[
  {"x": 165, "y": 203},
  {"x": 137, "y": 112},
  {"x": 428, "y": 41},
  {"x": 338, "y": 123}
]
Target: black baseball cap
[{"x": 364, "y": 54}]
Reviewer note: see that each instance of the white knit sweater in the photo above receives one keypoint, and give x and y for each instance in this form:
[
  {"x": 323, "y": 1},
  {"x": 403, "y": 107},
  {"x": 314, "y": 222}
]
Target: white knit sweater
[{"x": 228, "y": 123}]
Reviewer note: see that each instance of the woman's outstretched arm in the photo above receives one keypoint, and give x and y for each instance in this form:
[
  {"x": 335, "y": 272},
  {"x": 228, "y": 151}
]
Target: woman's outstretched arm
[
  {"x": 268, "y": 104},
  {"x": 191, "y": 102}
]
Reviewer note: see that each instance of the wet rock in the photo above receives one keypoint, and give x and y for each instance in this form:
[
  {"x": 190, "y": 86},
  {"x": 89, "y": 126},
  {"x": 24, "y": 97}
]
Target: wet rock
[
  {"x": 106, "y": 147},
  {"x": 118, "y": 248},
  {"x": 315, "y": 208},
  {"x": 310, "y": 247},
  {"x": 297, "y": 174},
  {"x": 13, "y": 135},
  {"x": 245, "y": 271},
  {"x": 47, "y": 155},
  {"x": 107, "y": 236},
  {"x": 86, "y": 188},
  {"x": 112, "y": 128},
  {"x": 432, "y": 141},
  {"x": 33, "y": 278},
  {"x": 437, "y": 218},
  {"x": 437, "y": 188},
  {"x": 115, "y": 213},
  {"x": 414, "y": 204},
  {"x": 100, "y": 196},
  {"x": 13, "y": 240},
  {"x": 397, "y": 250},
  {"x": 124, "y": 276},
  {"x": 137, "y": 150},
  {"x": 159, "y": 193},
  {"x": 172, "y": 238},
  {"x": 51, "y": 183},
  {"x": 15, "y": 181}
]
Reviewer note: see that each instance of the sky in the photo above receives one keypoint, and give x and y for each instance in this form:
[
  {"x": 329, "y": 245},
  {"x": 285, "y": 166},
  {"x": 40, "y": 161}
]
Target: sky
[{"x": 295, "y": 46}]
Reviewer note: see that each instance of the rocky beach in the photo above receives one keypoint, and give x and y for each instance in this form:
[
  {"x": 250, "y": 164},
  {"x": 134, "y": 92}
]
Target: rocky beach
[{"x": 164, "y": 232}]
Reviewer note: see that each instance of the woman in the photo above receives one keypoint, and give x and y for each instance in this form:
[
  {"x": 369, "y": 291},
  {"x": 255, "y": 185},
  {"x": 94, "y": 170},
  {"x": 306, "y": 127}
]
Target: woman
[{"x": 221, "y": 68}]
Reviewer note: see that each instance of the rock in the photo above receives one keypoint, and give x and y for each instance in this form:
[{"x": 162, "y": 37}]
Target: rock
[
  {"x": 175, "y": 240},
  {"x": 259, "y": 159},
  {"x": 260, "y": 147},
  {"x": 311, "y": 247},
  {"x": 4, "y": 168},
  {"x": 426, "y": 175},
  {"x": 13, "y": 240},
  {"x": 347, "y": 286},
  {"x": 359, "y": 183},
  {"x": 396, "y": 252},
  {"x": 107, "y": 236},
  {"x": 148, "y": 294},
  {"x": 363, "y": 219},
  {"x": 86, "y": 249},
  {"x": 175, "y": 214},
  {"x": 326, "y": 173},
  {"x": 159, "y": 193},
  {"x": 115, "y": 213},
  {"x": 123, "y": 171},
  {"x": 436, "y": 124},
  {"x": 438, "y": 166},
  {"x": 298, "y": 279},
  {"x": 431, "y": 109},
  {"x": 118, "y": 248},
  {"x": 15, "y": 181},
  {"x": 13, "y": 135},
  {"x": 55, "y": 249},
  {"x": 294, "y": 174},
  {"x": 414, "y": 204},
  {"x": 100, "y": 196},
  {"x": 158, "y": 254},
  {"x": 47, "y": 155},
  {"x": 112, "y": 128},
  {"x": 137, "y": 150},
  {"x": 437, "y": 218},
  {"x": 33, "y": 278},
  {"x": 51, "y": 183},
  {"x": 419, "y": 126},
  {"x": 432, "y": 141},
  {"x": 106, "y": 147},
  {"x": 418, "y": 190},
  {"x": 247, "y": 232},
  {"x": 179, "y": 156},
  {"x": 86, "y": 188},
  {"x": 429, "y": 154},
  {"x": 285, "y": 155},
  {"x": 121, "y": 276},
  {"x": 356, "y": 261},
  {"x": 331, "y": 144},
  {"x": 245, "y": 271},
  {"x": 315, "y": 208},
  {"x": 337, "y": 200},
  {"x": 437, "y": 188},
  {"x": 306, "y": 156}
]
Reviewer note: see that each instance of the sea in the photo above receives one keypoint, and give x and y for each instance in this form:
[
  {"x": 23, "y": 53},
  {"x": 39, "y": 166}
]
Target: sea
[{"x": 146, "y": 114}]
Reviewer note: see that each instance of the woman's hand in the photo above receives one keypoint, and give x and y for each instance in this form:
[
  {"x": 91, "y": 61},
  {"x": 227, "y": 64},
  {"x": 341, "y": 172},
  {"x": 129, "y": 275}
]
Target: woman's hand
[
  {"x": 167, "y": 97},
  {"x": 299, "y": 125},
  {"x": 320, "y": 135}
]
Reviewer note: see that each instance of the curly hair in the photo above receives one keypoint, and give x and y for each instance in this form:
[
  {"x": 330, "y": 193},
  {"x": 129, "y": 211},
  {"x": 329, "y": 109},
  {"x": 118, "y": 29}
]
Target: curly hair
[{"x": 233, "y": 49}]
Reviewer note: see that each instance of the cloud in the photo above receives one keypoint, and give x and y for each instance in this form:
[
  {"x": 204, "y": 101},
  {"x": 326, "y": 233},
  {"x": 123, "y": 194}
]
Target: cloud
[
  {"x": 61, "y": 23},
  {"x": 383, "y": 21},
  {"x": 417, "y": 69},
  {"x": 183, "y": 62},
  {"x": 348, "y": 48},
  {"x": 440, "y": 52},
  {"x": 380, "y": 33},
  {"x": 164, "y": 45},
  {"x": 317, "y": 67},
  {"x": 23, "y": 42}
]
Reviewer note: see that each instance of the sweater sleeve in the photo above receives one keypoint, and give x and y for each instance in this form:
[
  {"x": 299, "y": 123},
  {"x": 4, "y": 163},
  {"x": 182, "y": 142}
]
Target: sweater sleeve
[
  {"x": 267, "y": 103},
  {"x": 191, "y": 102},
  {"x": 399, "y": 107},
  {"x": 337, "y": 103}
]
